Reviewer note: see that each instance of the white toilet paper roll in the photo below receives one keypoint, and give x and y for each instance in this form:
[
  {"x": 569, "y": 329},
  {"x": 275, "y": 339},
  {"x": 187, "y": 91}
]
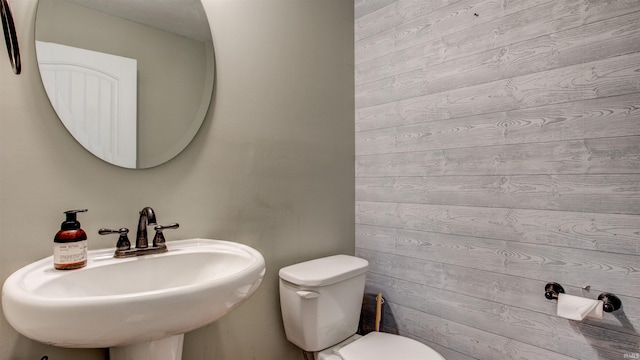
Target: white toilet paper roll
[{"x": 578, "y": 308}]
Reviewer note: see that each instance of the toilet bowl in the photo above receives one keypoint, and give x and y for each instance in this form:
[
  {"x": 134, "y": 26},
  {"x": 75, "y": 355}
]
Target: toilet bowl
[
  {"x": 320, "y": 301},
  {"x": 379, "y": 346}
]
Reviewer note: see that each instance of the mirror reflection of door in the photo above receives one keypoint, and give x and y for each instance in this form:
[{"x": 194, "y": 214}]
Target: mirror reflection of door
[
  {"x": 172, "y": 44},
  {"x": 94, "y": 95}
]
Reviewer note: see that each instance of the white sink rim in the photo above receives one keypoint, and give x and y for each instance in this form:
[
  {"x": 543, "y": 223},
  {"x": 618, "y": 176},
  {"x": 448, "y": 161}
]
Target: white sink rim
[
  {"x": 36, "y": 315},
  {"x": 101, "y": 259}
]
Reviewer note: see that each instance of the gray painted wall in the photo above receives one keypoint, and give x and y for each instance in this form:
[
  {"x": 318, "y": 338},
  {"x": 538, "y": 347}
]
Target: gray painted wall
[
  {"x": 272, "y": 166},
  {"x": 497, "y": 149}
]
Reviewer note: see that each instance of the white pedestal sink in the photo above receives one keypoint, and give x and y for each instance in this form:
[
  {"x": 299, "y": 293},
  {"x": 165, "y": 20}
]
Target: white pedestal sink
[{"x": 140, "y": 307}]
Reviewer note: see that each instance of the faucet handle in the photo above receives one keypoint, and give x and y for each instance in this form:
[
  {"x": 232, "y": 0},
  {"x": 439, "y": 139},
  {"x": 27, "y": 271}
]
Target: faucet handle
[
  {"x": 159, "y": 240},
  {"x": 123, "y": 240}
]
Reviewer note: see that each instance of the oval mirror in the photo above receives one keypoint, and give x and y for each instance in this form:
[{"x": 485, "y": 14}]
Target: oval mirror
[{"x": 131, "y": 80}]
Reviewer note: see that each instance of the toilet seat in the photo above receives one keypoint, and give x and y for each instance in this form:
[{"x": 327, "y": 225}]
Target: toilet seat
[{"x": 384, "y": 346}]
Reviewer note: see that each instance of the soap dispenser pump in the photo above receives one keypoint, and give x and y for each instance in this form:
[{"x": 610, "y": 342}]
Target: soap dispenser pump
[{"x": 70, "y": 244}]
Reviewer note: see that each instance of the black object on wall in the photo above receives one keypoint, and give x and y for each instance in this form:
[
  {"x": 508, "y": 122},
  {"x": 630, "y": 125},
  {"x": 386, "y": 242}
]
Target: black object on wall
[{"x": 10, "y": 36}]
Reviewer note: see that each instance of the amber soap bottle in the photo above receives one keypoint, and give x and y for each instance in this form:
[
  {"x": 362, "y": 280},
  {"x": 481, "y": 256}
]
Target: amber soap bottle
[{"x": 70, "y": 244}]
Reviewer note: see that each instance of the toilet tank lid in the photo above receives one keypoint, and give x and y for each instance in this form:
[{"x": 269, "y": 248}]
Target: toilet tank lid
[{"x": 324, "y": 271}]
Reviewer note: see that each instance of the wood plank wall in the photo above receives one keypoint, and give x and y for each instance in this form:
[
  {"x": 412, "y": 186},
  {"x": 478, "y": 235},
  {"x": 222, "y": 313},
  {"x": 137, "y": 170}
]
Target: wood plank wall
[{"x": 498, "y": 149}]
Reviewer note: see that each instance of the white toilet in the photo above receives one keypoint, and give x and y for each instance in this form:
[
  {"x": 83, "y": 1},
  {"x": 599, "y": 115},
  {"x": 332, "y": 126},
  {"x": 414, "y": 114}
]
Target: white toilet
[{"x": 320, "y": 302}]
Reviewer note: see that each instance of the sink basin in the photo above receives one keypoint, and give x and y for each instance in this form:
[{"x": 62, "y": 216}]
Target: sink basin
[{"x": 115, "y": 302}]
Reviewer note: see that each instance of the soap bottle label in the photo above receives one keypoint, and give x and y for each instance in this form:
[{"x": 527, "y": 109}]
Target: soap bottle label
[{"x": 70, "y": 253}]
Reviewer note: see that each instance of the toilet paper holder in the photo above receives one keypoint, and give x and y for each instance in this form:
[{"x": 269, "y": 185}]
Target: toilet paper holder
[
  {"x": 610, "y": 302},
  {"x": 552, "y": 289}
]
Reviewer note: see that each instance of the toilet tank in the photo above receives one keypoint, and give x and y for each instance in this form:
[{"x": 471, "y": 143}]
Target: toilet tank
[{"x": 320, "y": 300}]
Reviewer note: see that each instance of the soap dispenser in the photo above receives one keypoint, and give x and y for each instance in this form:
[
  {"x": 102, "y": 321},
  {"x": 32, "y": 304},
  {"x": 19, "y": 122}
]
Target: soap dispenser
[{"x": 70, "y": 244}]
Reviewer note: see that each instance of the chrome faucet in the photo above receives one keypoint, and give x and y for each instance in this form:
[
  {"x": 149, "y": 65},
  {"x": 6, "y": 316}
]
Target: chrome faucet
[{"x": 147, "y": 217}]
